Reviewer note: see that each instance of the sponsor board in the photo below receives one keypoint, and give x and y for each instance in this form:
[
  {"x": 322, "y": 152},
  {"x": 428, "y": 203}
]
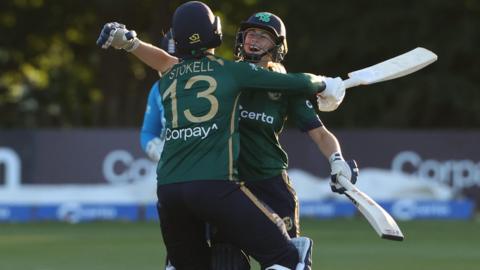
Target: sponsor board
[
  {"x": 400, "y": 209},
  {"x": 326, "y": 209},
  {"x": 413, "y": 209},
  {"x": 151, "y": 213},
  {"x": 15, "y": 213},
  {"x": 69, "y": 212},
  {"x": 459, "y": 174},
  {"x": 109, "y": 168}
]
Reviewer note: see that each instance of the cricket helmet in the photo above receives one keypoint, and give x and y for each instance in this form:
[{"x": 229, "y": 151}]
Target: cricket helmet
[
  {"x": 195, "y": 28},
  {"x": 269, "y": 22}
]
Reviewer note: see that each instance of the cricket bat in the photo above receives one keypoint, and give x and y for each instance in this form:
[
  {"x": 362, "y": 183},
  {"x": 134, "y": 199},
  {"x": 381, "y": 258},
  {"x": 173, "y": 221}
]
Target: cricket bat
[
  {"x": 379, "y": 219},
  {"x": 393, "y": 68}
]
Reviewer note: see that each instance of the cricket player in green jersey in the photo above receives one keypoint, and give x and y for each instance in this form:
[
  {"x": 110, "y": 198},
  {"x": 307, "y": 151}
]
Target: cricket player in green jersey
[
  {"x": 262, "y": 163},
  {"x": 197, "y": 173},
  {"x": 214, "y": 108},
  {"x": 261, "y": 39}
]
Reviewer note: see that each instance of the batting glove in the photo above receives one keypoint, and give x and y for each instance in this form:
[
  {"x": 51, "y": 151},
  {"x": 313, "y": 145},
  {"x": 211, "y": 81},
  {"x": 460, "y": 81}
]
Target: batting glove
[
  {"x": 155, "y": 148},
  {"x": 327, "y": 104},
  {"x": 340, "y": 167},
  {"x": 118, "y": 36},
  {"x": 330, "y": 98}
]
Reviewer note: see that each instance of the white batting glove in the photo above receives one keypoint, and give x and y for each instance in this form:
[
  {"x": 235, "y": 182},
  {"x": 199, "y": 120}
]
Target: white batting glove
[
  {"x": 327, "y": 104},
  {"x": 340, "y": 167},
  {"x": 330, "y": 98},
  {"x": 118, "y": 36},
  {"x": 155, "y": 148}
]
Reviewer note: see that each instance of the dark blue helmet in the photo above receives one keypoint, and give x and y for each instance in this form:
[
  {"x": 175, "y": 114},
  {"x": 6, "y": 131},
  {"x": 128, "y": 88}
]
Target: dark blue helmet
[
  {"x": 167, "y": 43},
  {"x": 195, "y": 28},
  {"x": 268, "y": 22}
]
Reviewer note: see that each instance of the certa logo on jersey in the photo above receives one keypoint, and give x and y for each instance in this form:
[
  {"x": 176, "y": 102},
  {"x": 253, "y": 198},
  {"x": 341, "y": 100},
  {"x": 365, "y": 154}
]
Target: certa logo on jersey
[{"x": 262, "y": 117}]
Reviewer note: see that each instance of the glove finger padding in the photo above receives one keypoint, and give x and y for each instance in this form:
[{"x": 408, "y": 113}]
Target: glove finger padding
[
  {"x": 335, "y": 186},
  {"x": 327, "y": 104},
  {"x": 118, "y": 36},
  {"x": 353, "y": 166},
  {"x": 105, "y": 38},
  {"x": 102, "y": 40},
  {"x": 340, "y": 168}
]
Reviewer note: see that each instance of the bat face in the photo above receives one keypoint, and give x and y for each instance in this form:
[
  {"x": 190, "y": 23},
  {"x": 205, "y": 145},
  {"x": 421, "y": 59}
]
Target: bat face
[
  {"x": 379, "y": 219},
  {"x": 363, "y": 197},
  {"x": 396, "y": 67},
  {"x": 393, "y": 235}
]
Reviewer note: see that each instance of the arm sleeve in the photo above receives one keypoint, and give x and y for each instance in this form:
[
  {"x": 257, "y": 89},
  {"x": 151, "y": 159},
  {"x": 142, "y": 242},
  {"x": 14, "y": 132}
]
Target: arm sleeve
[
  {"x": 303, "y": 114},
  {"x": 153, "y": 120},
  {"x": 250, "y": 76}
]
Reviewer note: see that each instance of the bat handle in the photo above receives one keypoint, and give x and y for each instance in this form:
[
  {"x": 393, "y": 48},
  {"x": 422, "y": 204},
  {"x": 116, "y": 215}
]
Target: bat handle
[
  {"x": 352, "y": 82},
  {"x": 345, "y": 183}
]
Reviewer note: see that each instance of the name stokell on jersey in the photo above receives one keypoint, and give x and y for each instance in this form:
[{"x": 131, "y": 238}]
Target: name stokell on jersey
[{"x": 200, "y": 98}]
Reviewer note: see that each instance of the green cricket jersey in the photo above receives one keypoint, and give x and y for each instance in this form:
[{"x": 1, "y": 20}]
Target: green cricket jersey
[
  {"x": 262, "y": 117},
  {"x": 200, "y": 99}
]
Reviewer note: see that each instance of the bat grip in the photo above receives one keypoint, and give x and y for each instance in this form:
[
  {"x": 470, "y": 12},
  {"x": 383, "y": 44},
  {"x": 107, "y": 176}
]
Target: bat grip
[
  {"x": 351, "y": 82},
  {"x": 345, "y": 182}
]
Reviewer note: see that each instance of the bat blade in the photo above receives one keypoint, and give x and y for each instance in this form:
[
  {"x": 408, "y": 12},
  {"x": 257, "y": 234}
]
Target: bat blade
[
  {"x": 393, "y": 68},
  {"x": 379, "y": 219}
]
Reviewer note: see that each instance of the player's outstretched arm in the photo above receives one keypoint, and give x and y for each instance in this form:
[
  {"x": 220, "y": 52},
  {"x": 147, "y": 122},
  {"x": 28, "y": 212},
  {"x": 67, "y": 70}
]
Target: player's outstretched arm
[
  {"x": 329, "y": 146},
  {"x": 155, "y": 57},
  {"x": 250, "y": 76},
  {"x": 116, "y": 35},
  {"x": 325, "y": 141}
]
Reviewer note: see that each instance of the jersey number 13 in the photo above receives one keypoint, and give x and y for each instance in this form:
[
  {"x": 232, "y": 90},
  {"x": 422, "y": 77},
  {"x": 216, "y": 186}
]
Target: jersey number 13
[{"x": 207, "y": 94}]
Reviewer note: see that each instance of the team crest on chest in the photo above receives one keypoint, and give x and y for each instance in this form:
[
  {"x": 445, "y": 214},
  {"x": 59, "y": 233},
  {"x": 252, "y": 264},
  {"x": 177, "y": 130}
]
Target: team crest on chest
[{"x": 274, "y": 95}]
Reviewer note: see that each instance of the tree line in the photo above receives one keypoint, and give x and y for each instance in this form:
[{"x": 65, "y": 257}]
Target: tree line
[{"x": 53, "y": 75}]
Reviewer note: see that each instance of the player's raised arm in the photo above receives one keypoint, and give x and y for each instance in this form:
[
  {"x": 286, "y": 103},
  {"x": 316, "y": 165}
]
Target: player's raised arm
[
  {"x": 250, "y": 76},
  {"x": 154, "y": 57},
  {"x": 116, "y": 35}
]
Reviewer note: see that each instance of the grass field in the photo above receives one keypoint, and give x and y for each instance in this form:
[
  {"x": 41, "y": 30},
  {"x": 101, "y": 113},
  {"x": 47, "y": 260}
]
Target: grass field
[{"x": 339, "y": 244}]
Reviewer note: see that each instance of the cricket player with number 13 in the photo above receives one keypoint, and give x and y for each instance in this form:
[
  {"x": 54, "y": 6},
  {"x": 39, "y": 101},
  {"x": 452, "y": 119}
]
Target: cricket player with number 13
[{"x": 249, "y": 32}]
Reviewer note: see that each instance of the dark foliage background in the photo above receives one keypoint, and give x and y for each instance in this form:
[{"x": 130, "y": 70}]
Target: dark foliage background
[{"x": 53, "y": 75}]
